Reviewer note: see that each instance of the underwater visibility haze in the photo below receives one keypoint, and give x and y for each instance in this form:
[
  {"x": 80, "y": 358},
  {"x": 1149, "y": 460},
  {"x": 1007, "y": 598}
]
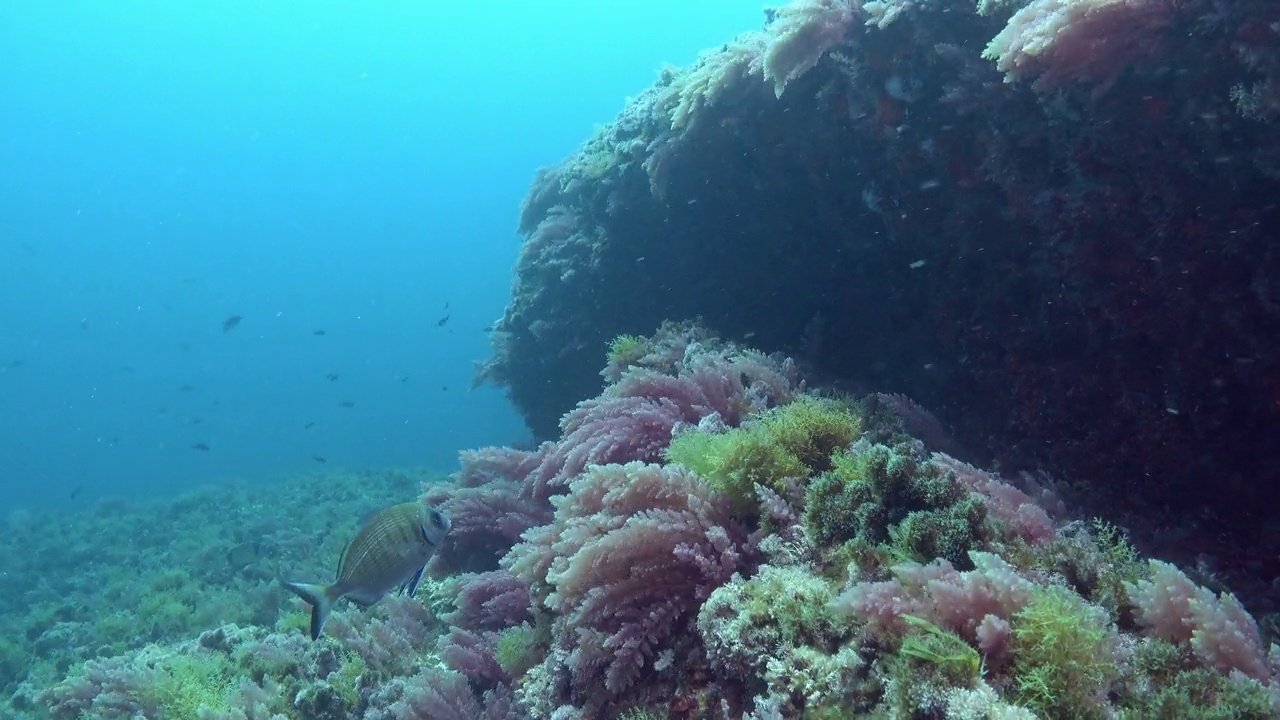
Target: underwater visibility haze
[
  {"x": 351, "y": 170},
  {"x": 907, "y": 359}
]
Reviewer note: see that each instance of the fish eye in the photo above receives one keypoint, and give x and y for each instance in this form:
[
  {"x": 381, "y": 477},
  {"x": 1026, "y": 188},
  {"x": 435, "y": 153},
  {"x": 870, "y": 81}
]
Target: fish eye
[{"x": 437, "y": 519}]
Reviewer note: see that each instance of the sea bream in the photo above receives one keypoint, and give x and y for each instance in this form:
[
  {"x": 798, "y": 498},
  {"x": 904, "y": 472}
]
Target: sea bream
[{"x": 390, "y": 551}]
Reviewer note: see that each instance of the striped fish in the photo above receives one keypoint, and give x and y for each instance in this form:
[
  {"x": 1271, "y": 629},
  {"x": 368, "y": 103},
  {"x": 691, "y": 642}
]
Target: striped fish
[{"x": 389, "y": 552}]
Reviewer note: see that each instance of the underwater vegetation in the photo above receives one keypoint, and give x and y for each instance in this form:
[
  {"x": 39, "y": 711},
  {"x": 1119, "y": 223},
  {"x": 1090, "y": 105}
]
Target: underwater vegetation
[
  {"x": 1050, "y": 221},
  {"x": 120, "y": 576},
  {"x": 709, "y": 539},
  {"x": 717, "y": 533}
]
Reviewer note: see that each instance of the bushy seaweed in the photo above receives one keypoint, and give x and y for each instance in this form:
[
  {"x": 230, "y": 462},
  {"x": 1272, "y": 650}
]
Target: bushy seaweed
[
  {"x": 946, "y": 651},
  {"x": 882, "y": 496},
  {"x": 1178, "y": 687},
  {"x": 1063, "y": 655},
  {"x": 626, "y": 350},
  {"x": 792, "y": 442},
  {"x": 188, "y": 684},
  {"x": 521, "y": 647}
]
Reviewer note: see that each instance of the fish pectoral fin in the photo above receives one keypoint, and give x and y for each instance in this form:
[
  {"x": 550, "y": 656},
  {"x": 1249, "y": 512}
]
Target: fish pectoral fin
[{"x": 411, "y": 587}]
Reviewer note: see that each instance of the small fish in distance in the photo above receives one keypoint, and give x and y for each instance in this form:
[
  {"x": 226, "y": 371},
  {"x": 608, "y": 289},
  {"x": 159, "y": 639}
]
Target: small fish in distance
[
  {"x": 231, "y": 322},
  {"x": 443, "y": 320},
  {"x": 318, "y": 332},
  {"x": 309, "y": 425},
  {"x": 319, "y": 458},
  {"x": 201, "y": 447},
  {"x": 389, "y": 552},
  {"x": 346, "y": 404},
  {"x": 331, "y": 377}
]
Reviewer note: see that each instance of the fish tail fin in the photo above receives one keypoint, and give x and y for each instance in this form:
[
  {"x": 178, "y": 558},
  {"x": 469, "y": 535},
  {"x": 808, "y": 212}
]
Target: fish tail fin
[{"x": 321, "y": 598}]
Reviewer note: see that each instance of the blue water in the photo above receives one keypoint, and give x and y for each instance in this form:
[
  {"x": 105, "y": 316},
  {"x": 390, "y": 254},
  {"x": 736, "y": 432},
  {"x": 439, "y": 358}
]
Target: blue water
[{"x": 345, "y": 167}]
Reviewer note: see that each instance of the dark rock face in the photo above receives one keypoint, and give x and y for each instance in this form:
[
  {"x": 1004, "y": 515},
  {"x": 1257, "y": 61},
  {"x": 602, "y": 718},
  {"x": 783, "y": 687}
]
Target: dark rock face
[{"x": 1082, "y": 277}]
